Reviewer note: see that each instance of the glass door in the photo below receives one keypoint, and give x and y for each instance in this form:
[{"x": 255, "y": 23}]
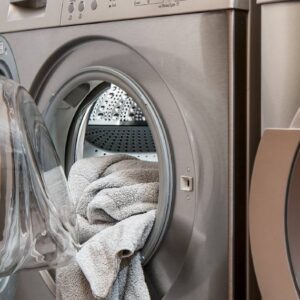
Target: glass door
[{"x": 37, "y": 217}]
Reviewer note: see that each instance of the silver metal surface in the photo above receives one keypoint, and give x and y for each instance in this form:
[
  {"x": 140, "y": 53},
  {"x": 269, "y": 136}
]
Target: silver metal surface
[
  {"x": 14, "y": 18},
  {"x": 272, "y": 207},
  {"x": 125, "y": 9},
  {"x": 296, "y": 120},
  {"x": 115, "y": 107},
  {"x": 75, "y": 138},
  {"x": 274, "y": 214},
  {"x": 29, "y": 285},
  {"x": 67, "y": 12},
  {"x": 293, "y": 221},
  {"x": 99, "y": 134},
  {"x": 91, "y": 150},
  {"x": 189, "y": 84}
]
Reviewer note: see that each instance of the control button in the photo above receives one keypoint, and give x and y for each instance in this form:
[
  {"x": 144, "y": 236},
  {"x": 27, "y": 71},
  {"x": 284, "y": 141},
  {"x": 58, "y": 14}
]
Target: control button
[
  {"x": 81, "y": 6},
  {"x": 71, "y": 7},
  {"x": 94, "y": 4}
]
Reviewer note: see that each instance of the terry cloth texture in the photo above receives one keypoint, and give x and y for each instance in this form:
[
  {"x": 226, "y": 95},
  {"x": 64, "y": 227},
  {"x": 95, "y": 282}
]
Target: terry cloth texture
[
  {"x": 101, "y": 257},
  {"x": 115, "y": 199}
]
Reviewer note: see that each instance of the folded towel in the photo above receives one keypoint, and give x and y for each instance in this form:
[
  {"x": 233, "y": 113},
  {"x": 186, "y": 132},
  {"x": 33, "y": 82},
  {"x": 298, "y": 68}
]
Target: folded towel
[{"x": 100, "y": 258}]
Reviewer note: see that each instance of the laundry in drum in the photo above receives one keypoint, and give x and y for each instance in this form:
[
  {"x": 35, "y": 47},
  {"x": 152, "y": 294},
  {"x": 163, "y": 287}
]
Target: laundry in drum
[
  {"x": 115, "y": 190},
  {"x": 92, "y": 228},
  {"x": 116, "y": 199}
]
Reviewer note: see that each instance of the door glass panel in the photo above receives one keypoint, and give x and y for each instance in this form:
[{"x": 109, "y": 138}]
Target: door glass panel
[{"x": 36, "y": 214}]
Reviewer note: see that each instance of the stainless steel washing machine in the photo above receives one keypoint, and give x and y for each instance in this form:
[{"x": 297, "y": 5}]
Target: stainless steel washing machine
[
  {"x": 172, "y": 75},
  {"x": 274, "y": 199}
]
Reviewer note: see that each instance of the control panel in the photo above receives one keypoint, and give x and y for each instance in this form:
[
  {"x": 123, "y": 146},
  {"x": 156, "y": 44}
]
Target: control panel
[
  {"x": 17, "y": 15},
  {"x": 88, "y": 11}
]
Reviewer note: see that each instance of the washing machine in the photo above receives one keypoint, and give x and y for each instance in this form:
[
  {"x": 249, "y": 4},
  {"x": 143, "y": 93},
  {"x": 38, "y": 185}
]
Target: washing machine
[
  {"x": 162, "y": 80},
  {"x": 274, "y": 198}
]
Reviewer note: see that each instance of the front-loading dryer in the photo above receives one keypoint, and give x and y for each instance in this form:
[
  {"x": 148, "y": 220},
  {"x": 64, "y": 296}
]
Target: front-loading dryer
[{"x": 160, "y": 80}]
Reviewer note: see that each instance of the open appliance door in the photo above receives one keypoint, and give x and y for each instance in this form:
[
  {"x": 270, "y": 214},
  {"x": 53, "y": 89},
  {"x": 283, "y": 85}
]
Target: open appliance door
[{"x": 37, "y": 217}]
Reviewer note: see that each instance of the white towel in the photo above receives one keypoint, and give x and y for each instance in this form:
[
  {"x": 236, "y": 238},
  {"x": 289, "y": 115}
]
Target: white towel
[
  {"x": 117, "y": 179},
  {"x": 130, "y": 282},
  {"x": 117, "y": 204},
  {"x": 71, "y": 284},
  {"x": 100, "y": 258},
  {"x": 86, "y": 171},
  {"x": 115, "y": 199}
]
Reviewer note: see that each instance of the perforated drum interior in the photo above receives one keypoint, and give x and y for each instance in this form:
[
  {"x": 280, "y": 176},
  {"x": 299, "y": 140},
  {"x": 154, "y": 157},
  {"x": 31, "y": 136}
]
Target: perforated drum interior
[{"x": 116, "y": 124}]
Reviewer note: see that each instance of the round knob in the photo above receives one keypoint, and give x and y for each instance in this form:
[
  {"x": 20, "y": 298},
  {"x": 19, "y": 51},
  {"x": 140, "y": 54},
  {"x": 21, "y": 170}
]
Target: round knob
[
  {"x": 81, "y": 6},
  {"x": 94, "y": 4},
  {"x": 71, "y": 8}
]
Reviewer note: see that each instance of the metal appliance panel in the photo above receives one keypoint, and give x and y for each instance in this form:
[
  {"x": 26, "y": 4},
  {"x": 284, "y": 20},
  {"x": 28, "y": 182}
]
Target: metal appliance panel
[
  {"x": 13, "y": 17},
  {"x": 272, "y": 210},
  {"x": 205, "y": 98}
]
